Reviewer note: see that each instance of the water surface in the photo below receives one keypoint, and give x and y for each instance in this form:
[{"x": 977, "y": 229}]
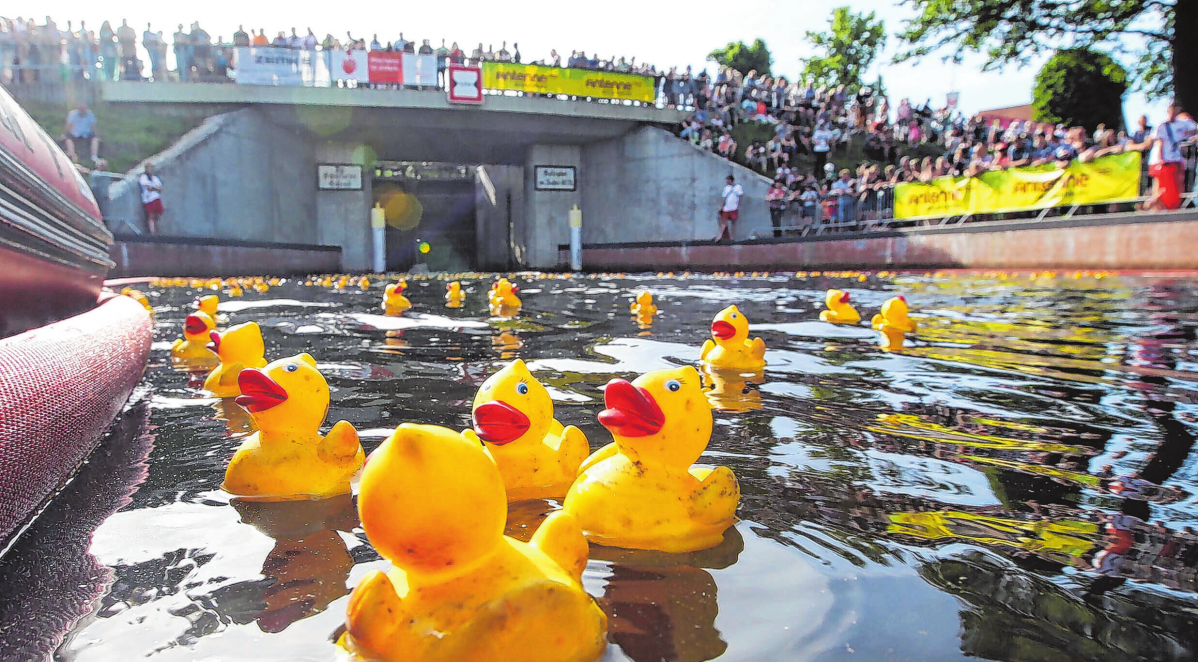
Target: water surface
[{"x": 1016, "y": 484}]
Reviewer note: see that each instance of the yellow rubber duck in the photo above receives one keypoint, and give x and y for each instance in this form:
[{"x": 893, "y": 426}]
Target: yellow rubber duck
[
  {"x": 730, "y": 347},
  {"x": 504, "y": 294},
  {"x": 238, "y": 347},
  {"x": 139, "y": 297},
  {"x": 643, "y": 304},
  {"x": 208, "y": 304},
  {"x": 192, "y": 349},
  {"x": 893, "y": 322},
  {"x": 394, "y": 302},
  {"x": 454, "y": 296},
  {"x": 513, "y": 418},
  {"x": 432, "y": 502},
  {"x": 839, "y": 311},
  {"x": 641, "y": 492},
  {"x": 287, "y": 459}
]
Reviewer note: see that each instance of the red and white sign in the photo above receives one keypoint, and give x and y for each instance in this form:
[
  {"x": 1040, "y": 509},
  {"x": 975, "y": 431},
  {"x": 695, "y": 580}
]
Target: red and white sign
[
  {"x": 465, "y": 84},
  {"x": 386, "y": 67},
  {"x": 350, "y": 65}
]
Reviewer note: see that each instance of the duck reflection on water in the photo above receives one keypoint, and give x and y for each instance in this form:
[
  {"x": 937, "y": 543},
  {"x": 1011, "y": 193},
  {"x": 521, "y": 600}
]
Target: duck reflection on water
[
  {"x": 661, "y": 606},
  {"x": 309, "y": 566}
]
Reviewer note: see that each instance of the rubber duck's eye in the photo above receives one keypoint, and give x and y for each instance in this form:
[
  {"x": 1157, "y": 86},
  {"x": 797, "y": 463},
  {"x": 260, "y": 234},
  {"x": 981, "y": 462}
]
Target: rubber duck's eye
[
  {"x": 733, "y": 315},
  {"x": 522, "y": 388},
  {"x": 674, "y": 385},
  {"x": 291, "y": 367}
]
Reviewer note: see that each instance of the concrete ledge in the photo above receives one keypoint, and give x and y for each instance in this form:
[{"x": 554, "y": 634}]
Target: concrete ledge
[
  {"x": 185, "y": 256},
  {"x": 1108, "y": 241},
  {"x": 232, "y": 94}
]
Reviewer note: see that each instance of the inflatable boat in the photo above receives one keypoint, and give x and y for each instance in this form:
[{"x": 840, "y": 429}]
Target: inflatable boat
[{"x": 70, "y": 354}]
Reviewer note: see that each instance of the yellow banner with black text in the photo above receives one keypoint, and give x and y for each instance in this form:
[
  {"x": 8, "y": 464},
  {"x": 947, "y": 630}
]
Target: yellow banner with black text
[
  {"x": 575, "y": 82},
  {"x": 1114, "y": 178}
]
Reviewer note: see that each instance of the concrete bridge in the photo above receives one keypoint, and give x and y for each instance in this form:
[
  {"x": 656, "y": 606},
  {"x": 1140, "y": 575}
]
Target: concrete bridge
[{"x": 249, "y": 172}]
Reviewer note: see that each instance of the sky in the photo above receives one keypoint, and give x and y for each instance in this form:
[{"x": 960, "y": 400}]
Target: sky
[{"x": 674, "y": 34}]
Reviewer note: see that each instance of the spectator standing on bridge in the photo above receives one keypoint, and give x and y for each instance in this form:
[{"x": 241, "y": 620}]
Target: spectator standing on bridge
[
  {"x": 729, "y": 210},
  {"x": 516, "y": 53},
  {"x": 259, "y": 39},
  {"x": 240, "y": 38},
  {"x": 442, "y": 63},
  {"x": 127, "y": 38},
  {"x": 182, "y": 53},
  {"x": 425, "y": 48},
  {"x": 1165, "y": 162},
  {"x": 151, "y": 197},
  {"x": 108, "y": 51},
  {"x": 149, "y": 39},
  {"x": 81, "y": 130}
]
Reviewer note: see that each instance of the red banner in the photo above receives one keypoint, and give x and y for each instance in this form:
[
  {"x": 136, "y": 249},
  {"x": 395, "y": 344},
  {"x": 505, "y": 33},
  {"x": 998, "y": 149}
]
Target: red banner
[{"x": 386, "y": 67}]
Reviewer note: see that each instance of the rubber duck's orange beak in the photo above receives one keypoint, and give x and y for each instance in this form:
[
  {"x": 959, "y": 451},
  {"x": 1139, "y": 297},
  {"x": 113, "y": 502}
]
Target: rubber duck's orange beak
[
  {"x": 844, "y": 298},
  {"x": 631, "y": 411},
  {"x": 722, "y": 329},
  {"x": 215, "y": 344},
  {"x": 499, "y": 423},
  {"x": 194, "y": 325},
  {"x": 259, "y": 392}
]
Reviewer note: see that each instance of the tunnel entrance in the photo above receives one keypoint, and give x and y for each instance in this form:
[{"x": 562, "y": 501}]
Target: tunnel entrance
[{"x": 430, "y": 212}]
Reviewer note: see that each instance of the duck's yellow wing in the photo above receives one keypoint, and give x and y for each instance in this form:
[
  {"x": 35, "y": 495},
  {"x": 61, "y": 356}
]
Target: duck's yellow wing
[
  {"x": 373, "y": 613},
  {"x": 757, "y": 349},
  {"x": 229, "y": 374},
  {"x": 707, "y": 347},
  {"x": 717, "y": 497},
  {"x": 572, "y": 449},
  {"x": 341, "y": 444},
  {"x": 560, "y": 538},
  {"x": 599, "y": 456}
]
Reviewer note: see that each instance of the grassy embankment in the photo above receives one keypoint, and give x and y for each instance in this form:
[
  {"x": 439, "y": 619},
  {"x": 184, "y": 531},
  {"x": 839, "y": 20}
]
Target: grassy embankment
[{"x": 128, "y": 134}]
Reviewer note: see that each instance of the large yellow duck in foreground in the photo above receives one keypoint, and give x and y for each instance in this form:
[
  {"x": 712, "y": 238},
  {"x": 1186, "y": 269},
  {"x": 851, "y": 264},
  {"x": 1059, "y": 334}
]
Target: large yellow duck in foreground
[
  {"x": 730, "y": 347},
  {"x": 513, "y": 417},
  {"x": 839, "y": 311},
  {"x": 641, "y": 492},
  {"x": 893, "y": 322},
  {"x": 454, "y": 296},
  {"x": 394, "y": 302},
  {"x": 287, "y": 459},
  {"x": 191, "y": 351},
  {"x": 432, "y": 502},
  {"x": 238, "y": 347}
]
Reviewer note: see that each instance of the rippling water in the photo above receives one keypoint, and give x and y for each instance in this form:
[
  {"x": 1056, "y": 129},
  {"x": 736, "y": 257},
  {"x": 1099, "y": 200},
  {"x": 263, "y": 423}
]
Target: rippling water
[{"x": 1016, "y": 484}]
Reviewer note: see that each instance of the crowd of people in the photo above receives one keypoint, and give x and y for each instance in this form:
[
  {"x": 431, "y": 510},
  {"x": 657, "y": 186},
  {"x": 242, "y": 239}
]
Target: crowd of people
[
  {"x": 814, "y": 127},
  {"x": 30, "y": 52}
]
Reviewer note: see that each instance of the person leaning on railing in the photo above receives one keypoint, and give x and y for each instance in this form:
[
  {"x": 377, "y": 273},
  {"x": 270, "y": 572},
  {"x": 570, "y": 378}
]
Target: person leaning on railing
[{"x": 1165, "y": 162}]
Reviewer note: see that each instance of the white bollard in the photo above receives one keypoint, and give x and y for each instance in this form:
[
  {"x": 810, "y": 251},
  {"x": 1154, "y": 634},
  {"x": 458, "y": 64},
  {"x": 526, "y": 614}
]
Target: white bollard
[
  {"x": 575, "y": 216},
  {"x": 378, "y": 227}
]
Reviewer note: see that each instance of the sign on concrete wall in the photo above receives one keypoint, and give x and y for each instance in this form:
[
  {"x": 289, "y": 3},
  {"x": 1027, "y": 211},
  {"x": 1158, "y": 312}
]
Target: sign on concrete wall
[
  {"x": 555, "y": 178},
  {"x": 338, "y": 177}
]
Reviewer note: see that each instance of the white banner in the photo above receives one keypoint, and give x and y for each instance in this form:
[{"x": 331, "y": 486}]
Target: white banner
[
  {"x": 419, "y": 70},
  {"x": 269, "y": 66},
  {"x": 349, "y": 65}
]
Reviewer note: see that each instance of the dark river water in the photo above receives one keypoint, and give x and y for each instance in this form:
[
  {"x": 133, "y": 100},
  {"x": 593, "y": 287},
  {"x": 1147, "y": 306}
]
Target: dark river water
[{"x": 1018, "y": 483}]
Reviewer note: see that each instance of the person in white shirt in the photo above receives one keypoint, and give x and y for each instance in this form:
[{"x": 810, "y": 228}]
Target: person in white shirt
[
  {"x": 1165, "y": 162},
  {"x": 846, "y": 190},
  {"x": 729, "y": 208},
  {"x": 151, "y": 197},
  {"x": 821, "y": 142}
]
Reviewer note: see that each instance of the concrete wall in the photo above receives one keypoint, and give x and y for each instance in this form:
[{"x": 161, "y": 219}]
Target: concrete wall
[
  {"x": 200, "y": 259},
  {"x": 236, "y": 176},
  {"x": 499, "y": 209},
  {"x": 1115, "y": 241},
  {"x": 343, "y": 217},
  {"x": 649, "y": 185},
  {"x": 546, "y": 212}
]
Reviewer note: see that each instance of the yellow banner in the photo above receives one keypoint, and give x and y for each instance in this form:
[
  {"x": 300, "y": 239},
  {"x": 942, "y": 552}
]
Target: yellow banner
[
  {"x": 1114, "y": 178},
  {"x": 575, "y": 82}
]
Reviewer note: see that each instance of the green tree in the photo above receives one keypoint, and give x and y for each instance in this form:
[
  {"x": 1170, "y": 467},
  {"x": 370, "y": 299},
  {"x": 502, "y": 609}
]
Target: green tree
[
  {"x": 744, "y": 58},
  {"x": 1080, "y": 87},
  {"x": 851, "y": 45},
  {"x": 1150, "y": 33}
]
